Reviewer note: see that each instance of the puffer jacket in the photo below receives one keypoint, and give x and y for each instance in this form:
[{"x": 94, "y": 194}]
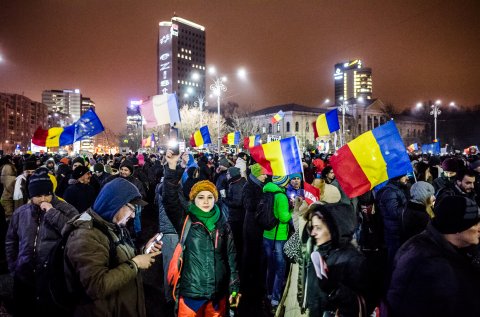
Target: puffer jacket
[
  {"x": 116, "y": 291},
  {"x": 236, "y": 212},
  {"x": 32, "y": 235},
  {"x": 281, "y": 212},
  {"x": 209, "y": 269}
]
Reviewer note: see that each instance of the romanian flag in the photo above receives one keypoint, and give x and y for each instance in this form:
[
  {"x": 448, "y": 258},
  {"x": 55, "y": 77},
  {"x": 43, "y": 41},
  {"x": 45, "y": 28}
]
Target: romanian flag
[
  {"x": 251, "y": 141},
  {"x": 231, "y": 138},
  {"x": 279, "y": 116},
  {"x": 200, "y": 137},
  {"x": 371, "y": 159},
  {"x": 312, "y": 194},
  {"x": 87, "y": 125},
  {"x": 412, "y": 147},
  {"x": 279, "y": 158},
  {"x": 326, "y": 123}
]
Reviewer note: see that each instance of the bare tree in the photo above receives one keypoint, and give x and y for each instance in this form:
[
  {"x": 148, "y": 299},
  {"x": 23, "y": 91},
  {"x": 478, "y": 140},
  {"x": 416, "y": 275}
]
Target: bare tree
[
  {"x": 190, "y": 117},
  {"x": 389, "y": 110}
]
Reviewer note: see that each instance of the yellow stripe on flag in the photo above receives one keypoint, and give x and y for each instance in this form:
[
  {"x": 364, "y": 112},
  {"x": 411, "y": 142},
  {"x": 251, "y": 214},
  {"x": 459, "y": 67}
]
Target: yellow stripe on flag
[
  {"x": 198, "y": 138},
  {"x": 322, "y": 125},
  {"x": 369, "y": 156},
  {"x": 273, "y": 153},
  {"x": 53, "y": 138}
]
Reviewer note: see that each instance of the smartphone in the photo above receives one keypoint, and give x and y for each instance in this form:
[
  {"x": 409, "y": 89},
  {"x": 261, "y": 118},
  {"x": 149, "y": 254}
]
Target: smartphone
[
  {"x": 157, "y": 239},
  {"x": 174, "y": 146}
]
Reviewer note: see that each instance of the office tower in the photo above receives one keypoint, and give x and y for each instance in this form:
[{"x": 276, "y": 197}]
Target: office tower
[
  {"x": 181, "y": 60},
  {"x": 352, "y": 80}
]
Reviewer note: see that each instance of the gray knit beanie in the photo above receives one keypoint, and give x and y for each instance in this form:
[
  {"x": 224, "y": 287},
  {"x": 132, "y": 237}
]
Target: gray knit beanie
[{"x": 421, "y": 191}]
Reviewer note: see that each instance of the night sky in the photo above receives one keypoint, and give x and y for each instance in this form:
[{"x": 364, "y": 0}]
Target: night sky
[{"x": 418, "y": 50}]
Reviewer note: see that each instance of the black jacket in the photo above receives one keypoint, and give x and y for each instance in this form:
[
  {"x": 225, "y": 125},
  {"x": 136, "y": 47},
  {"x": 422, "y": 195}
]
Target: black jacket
[
  {"x": 209, "y": 268},
  {"x": 236, "y": 211},
  {"x": 414, "y": 220},
  {"x": 81, "y": 196},
  {"x": 431, "y": 277}
]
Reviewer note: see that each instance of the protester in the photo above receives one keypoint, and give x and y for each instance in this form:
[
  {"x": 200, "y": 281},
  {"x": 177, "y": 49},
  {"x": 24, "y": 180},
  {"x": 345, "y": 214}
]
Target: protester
[
  {"x": 209, "y": 272},
  {"x": 463, "y": 185},
  {"x": 99, "y": 176},
  {"x": 33, "y": 232},
  {"x": 8, "y": 176},
  {"x": 419, "y": 210},
  {"x": 450, "y": 167},
  {"x": 437, "y": 272},
  {"x": 241, "y": 163},
  {"x": 20, "y": 193},
  {"x": 113, "y": 287},
  {"x": 294, "y": 189},
  {"x": 79, "y": 192}
]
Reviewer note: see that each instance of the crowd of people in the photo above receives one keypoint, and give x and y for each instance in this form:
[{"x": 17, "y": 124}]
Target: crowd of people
[{"x": 406, "y": 248}]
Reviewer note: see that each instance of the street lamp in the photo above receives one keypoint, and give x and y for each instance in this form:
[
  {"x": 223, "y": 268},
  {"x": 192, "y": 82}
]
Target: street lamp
[
  {"x": 217, "y": 88},
  {"x": 343, "y": 108},
  {"x": 200, "y": 103},
  {"x": 435, "y": 112}
]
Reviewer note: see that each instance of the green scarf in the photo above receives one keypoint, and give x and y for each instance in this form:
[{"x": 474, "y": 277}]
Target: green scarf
[{"x": 209, "y": 219}]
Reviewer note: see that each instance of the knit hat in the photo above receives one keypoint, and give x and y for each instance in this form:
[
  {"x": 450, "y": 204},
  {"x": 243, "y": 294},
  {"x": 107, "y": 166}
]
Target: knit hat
[
  {"x": 330, "y": 194},
  {"x": 257, "y": 170},
  {"x": 234, "y": 172},
  {"x": 65, "y": 160},
  {"x": 29, "y": 165},
  {"x": 203, "y": 186},
  {"x": 109, "y": 201},
  {"x": 78, "y": 160},
  {"x": 421, "y": 191},
  {"x": 98, "y": 167},
  {"x": 128, "y": 165},
  {"x": 455, "y": 214},
  {"x": 40, "y": 183},
  {"x": 450, "y": 165},
  {"x": 294, "y": 175},
  {"x": 475, "y": 164},
  {"x": 281, "y": 181},
  {"x": 79, "y": 172},
  {"x": 224, "y": 162}
]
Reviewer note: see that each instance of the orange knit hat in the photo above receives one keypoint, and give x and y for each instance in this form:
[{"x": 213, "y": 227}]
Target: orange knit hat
[{"x": 201, "y": 186}]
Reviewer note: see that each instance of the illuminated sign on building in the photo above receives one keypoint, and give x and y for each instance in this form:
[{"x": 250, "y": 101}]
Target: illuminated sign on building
[
  {"x": 338, "y": 74},
  {"x": 165, "y": 59}
]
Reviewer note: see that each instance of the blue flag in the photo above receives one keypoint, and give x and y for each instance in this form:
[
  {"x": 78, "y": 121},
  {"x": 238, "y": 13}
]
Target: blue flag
[{"x": 88, "y": 125}]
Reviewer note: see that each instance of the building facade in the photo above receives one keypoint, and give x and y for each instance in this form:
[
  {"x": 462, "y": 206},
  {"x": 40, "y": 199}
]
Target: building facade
[
  {"x": 87, "y": 144},
  {"x": 19, "y": 118},
  {"x": 66, "y": 101},
  {"x": 181, "y": 59},
  {"x": 352, "y": 80}
]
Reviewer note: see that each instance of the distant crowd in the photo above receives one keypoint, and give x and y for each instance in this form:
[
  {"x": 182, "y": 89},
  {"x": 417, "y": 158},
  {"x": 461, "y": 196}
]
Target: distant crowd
[{"x": 235, "y": 240}]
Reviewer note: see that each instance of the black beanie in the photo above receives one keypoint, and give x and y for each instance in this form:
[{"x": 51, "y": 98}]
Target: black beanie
[
  {"x": 455, "y": 214},
  {"x": 40, "y": 184},
  {"x": 128, "y": 165},
  {"x": 78, "y": 159}
]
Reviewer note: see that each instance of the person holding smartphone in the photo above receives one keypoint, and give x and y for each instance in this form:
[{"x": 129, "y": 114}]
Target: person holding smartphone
[{"x": 111, "y": 281}]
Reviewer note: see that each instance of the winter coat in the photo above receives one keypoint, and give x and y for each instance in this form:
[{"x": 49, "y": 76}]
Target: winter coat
[
  {"x": 281, "y": 212},
  {"x": 31, "y": 236},
  {"x": 433, "y": 278},
  {"x": 391, "y": 201},
  {"x": 414, "y": 220},
  {"x": 209, "y": 266},
  {"x": 7, "y": 178},
  {"x": 20, "y": 194},
  {"x": 347, "y": 269},
  {"x": 154, "y": 172},
  {"x": 453, "y": 190},
  {"x": 242, "y": 165},
  {"x": 81, "y": 196},
  {"x": 132, "y": 180},
  {"x": 116, "y": 291},
  {"x": 442, "y": 182},
  {"x": 221, "y": 179},
  {"x": 236, "y": 211}
]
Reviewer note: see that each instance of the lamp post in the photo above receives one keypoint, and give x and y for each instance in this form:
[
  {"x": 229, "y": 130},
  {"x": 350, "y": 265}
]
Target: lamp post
[
  {"x": 200, "y": 103},
  {"x": 435, "y": 112},
  {"x": 343, "y": 108},
  {"x": 217, "y": 88}
]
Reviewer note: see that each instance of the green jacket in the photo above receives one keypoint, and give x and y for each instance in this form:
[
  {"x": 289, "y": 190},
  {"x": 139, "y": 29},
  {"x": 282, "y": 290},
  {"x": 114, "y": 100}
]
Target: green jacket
[{"x": 281, "y": 212}]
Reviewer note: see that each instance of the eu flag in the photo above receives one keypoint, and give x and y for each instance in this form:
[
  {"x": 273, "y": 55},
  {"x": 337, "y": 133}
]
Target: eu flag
[{"x": 88, "y": 125}]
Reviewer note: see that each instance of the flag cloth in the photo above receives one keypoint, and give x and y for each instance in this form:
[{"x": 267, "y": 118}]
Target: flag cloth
[
  {"x": 231, "y": 138},
  {"x": 251, "y": 141},
  {"x": 370, "y": 159},
  {"x": 326, "y": 123},
  {"x": 412, "y": 147},
  {"x": 279, "y": 116},
  {"x": 433, "y": 148},
  {"x": 279, "y": 158},
  {"x": 160, "y": 109},
  {"x": 147, "y": 142},
  {"x": 312, "y": 193},
  {"x": 88, "y": 125},
  {"x": 200, "y": 137},
  {"x": 152, "y": 140}
]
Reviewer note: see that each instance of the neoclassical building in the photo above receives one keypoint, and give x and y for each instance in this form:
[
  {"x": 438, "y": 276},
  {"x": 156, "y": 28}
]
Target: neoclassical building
[{"x": 359, "y": 118}]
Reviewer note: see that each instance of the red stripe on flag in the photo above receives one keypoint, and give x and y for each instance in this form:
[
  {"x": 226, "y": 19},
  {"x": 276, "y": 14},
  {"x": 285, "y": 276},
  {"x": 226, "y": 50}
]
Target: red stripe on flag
[
  {"x": 348, "y": 172},
  {"x": 40, "y": 137},
  {"x": 315, "y": 132},
  {"x": 259, "y": 155}
]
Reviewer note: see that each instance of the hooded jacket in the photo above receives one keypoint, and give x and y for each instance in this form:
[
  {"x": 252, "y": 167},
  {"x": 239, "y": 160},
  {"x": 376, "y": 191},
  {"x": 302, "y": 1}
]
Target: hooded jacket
[{"x": 281, "y": 212}]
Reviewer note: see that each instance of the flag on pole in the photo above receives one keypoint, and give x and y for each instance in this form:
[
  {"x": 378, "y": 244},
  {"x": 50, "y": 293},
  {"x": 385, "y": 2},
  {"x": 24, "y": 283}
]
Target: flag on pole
[
  {"x": 412, "y": 147},
  {"x": 279, "y": 158},
  {"x": 251, "y": 141},
  {"x": 279, "y": 116},
  {"x": 88, "y": 125},
  {"x": 326, "y": 123},
  {"x": 371, "y": 159},
  {"x": 231, "y": 138},
  {"x": 160, "y": 109},
  {"x": 200, "y": 137},
  {"x": 312, "y": 193}
]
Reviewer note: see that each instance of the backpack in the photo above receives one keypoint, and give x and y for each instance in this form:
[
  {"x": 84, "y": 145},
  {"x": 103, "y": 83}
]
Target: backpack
[
  {"x": 176, "y": 263},
  {"x": 264, "y": 214},
  {"x": 64, "y": 292}
]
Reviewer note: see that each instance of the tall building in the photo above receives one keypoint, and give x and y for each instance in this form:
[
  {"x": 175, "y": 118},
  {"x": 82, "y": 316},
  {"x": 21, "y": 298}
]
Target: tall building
[
  {"x": 181, "y": 59},
  {"x": 65, "y": 101},
  {"x": 352, "y": 81},
  {"x": 87, "y": 144},
  {"x": 19, "y": 118}
]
